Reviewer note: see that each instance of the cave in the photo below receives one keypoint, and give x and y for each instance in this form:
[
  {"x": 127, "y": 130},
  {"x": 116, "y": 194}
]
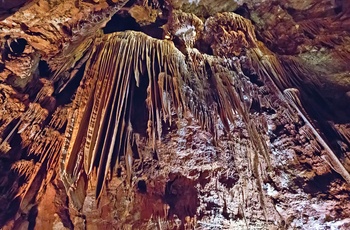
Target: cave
[{"x": 162, "y": 114}]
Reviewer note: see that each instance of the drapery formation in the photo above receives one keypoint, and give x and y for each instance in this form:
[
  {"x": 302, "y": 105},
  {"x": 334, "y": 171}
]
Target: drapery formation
[
  {"x": 108, "y": 90},
  {"x": 100, "y": 129}
]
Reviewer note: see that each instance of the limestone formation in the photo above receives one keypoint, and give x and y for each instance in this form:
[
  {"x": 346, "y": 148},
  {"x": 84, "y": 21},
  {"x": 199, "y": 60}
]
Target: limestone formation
[{"x": 165, "y": 114}]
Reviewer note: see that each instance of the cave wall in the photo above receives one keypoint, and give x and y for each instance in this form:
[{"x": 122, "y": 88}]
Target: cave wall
[{"x": 291, "y": 62}]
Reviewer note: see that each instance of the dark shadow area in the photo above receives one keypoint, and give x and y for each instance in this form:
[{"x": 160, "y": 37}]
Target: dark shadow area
[
  {"x": 33, "y": 213},
  {"x": 18, "y": 45},
  {"x": 320, "y": 183},
  {"x": 139, "y": 111},
  {"x": 243, "y": 10},
  {"x": 66, "y": 95},
  {"x": 122, "y": 21},
  {"x": 182, "y": 197},
  {"x": 9, "y": 7},
  {"x": 44, "y": 69},
  {"x": 142, "y": 186},
  {"x": 8, "y": 210},
  {"x": 229, "y": 181}
]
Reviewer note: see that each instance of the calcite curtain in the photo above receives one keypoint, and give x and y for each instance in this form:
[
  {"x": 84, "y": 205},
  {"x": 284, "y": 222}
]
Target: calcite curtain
[{"x": 174, "y": 114}]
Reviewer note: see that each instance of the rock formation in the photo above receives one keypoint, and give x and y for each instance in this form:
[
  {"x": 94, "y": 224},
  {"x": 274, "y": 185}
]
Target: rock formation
[{"x": 166, "y": 114}]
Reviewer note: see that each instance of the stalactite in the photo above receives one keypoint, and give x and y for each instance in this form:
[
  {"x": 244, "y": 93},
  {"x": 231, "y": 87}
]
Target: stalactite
[
  {"x": 214, "y": 69},
  {"x": 208, "y": 87},
  {"x": 293, "y": 97}
]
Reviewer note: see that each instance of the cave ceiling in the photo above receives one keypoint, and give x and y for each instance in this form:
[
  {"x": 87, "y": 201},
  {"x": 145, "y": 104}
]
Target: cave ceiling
[{"x": 166, "y": 114}]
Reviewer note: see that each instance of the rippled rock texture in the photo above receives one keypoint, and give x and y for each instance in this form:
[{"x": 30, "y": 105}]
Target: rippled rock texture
[{"x": 174, "y": 114}]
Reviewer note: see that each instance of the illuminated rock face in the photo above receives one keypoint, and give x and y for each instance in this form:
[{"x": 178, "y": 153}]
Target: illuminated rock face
[{"x": 174, "y": 114}]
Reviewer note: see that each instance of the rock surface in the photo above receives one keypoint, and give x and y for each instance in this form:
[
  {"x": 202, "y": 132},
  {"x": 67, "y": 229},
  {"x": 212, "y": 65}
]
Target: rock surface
[{"x": 254, "y": 132}]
